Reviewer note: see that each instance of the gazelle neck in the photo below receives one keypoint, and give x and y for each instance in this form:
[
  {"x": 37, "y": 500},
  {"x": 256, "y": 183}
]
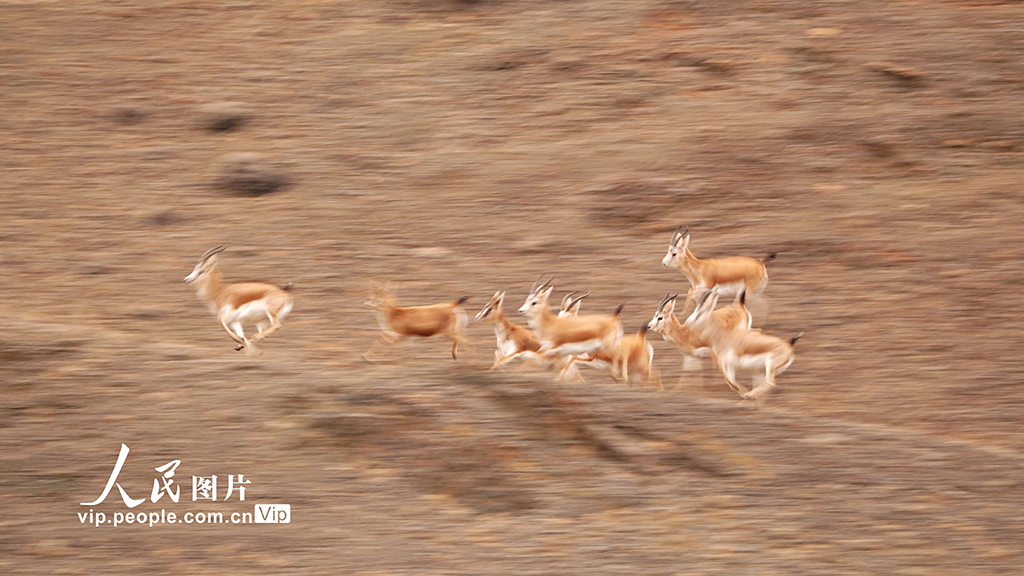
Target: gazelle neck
[
  {"x": 210, "y": 286},
  {"x": 689, "y": 264},
  {"x": 502, "y": 325},
  {"x": 541, "y": 318}
]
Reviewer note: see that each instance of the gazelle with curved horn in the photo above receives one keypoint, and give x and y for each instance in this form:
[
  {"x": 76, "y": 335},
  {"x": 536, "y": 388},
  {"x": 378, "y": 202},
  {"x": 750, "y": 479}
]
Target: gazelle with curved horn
[
  {"x": 738, "y": 348},
  {"x": 513, "y": 340},
  {"x": 259, "y": 303},
  {"x": 726, "y": 276},
  {"x": 568, "y": 336},
  {"x": 690, "y": 341},
  {"x": 571, "y": 306}
]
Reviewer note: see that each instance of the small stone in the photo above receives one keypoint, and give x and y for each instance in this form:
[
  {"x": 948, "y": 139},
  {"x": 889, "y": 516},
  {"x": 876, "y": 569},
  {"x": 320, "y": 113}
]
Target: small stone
[
  {"x": 250, "y": 174},
  {"x": 223, "y": 116},
  {"x": 128, "y": 115}
]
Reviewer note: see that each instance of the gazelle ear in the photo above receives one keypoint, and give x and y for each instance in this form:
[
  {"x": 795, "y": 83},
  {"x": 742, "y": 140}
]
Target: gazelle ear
[
  {"x": 546, "y": 293},
  {"x": 499, "y": 297},
  {"x": 684, "y": 242},
  {"x": 670, "y": 306}
]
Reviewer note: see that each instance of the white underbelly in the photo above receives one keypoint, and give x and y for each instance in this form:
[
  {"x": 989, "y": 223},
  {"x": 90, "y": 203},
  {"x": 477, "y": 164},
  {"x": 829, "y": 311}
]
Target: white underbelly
[
  {"x": 730, "y": 290},
  {"x": 574, "y": 348},
  {"x": 249, "y": 312}
]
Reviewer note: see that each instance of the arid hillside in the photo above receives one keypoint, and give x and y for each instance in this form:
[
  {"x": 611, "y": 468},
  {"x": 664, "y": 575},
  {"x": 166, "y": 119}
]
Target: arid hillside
[{"x": 458, "y": 148}]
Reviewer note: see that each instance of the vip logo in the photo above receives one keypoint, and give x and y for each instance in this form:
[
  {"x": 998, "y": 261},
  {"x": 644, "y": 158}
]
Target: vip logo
[{"x": 273, "y": 514}]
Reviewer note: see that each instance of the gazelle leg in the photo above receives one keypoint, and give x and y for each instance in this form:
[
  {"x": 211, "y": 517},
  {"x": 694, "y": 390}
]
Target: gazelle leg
[
  {"x": 574, "y": 373},
  {"x": 264, "y": 331},
  {"x": 730, "y": 376},
  {"x": 690, "y": 364},
  {"x": 240, "y": 337},
  {"x": 570, "y": 371},
  {"x": 455, "y": 333},
  {"x": 455, "y": 347},
  {"x": 656, "y": 373},
  {"x": 572, "y": 366},
  {"x": 501, "y": 360},
  {"x": 768, "y": 384},
  {"x": 693, "y": 291},
  {"x": 532, "y": 360},
  {"x": 689, "y": 297},
  {"x": 382, "y": 339}
]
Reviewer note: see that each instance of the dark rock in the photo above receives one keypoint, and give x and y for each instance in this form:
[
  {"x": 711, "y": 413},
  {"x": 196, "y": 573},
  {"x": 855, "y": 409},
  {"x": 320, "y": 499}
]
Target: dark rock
[{"x": 250, "y": 174}]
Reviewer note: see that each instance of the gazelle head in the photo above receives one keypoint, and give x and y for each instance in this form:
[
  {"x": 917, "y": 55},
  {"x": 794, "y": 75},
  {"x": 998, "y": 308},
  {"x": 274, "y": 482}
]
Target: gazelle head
[
  {"x": 538, "y": 298},
  {"x": 702, "y": 313},
  {"x": 206, "y": 264},
  {"x": 380, "y": 297},
  {"x": 677, "y": 247},
  {"x": 571, "y": 306},
  {"x": 492, "y": 306},
  {"x": 665, "y": 309}
]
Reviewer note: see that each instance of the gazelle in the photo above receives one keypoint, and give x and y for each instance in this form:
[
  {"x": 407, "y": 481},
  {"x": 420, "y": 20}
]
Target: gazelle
[
  {"x": 690, "y": 341},
  {"x": 726, "y": 276},
  {"x": 568, "y": 336},
  {"x": 633, "y": 350},
  {"x": 740, "y": 348},
  {"x": 397, "y": 322},
  {"x": 513, "y": 340},
  {"x": 571, "y": 306},
  {"x": 259, "y": 303},
  {"x": 633, "y": 353}
]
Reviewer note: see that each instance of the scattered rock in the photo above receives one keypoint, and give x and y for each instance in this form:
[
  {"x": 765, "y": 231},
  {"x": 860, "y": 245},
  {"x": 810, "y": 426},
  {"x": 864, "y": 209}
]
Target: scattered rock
[
  {"x": 128, "y": 115},
  {"x": 703, "y": 62},
  {"x": 164, "y": 218},
  {"x": 223, "y": 116},
  {"x": 250, "y": 174},
  {"x": 878, "y": 147},
  {"x": 904, "y": 74}
]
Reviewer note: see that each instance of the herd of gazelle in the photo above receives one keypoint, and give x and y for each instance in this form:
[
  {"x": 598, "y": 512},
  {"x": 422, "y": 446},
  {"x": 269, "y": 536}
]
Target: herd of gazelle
[{"x": 563, "y": 340}]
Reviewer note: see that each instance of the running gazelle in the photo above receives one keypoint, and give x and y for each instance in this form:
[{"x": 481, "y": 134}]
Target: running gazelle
[
  {"x": 568, "y": 336},
  {"x": 741, "y": 348},
  {"x": 259, "y": 303},
  {"x": 513, "y": 341},
  {"x": 397, "y": 322},
  {"x": 726, "y": 276},
  {"x": 687, "y": 339}
]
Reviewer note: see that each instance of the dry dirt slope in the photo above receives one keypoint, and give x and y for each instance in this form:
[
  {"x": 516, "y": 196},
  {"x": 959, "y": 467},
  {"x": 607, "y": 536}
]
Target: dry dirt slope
[{"x": 462, "y": 147}]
